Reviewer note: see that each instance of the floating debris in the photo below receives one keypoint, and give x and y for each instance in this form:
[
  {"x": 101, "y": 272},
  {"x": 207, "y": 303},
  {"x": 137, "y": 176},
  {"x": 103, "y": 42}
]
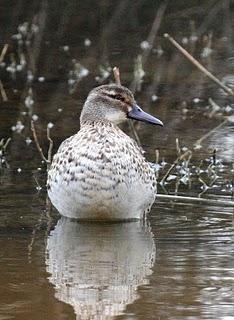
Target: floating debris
[
  {"x": 23, "y": 28},
  {"x": 35, "y": 117},
  {"x": 154, "y": 98},
  {"x": 17, "y": 36},
  {"x": 19, "y": 68},
  {"x": 28, "y": 101},
  {"x": 163, "y": 163},
  {"x": 28, "y": 141},
  {"x": 159, "y": 51},
  {"x": 50, "y": 125},
  {"x": 171, "y": 177},
  {"x": 228, "y": 81},
  {"x": 185, "y": 40},
  {"x": 193, "y": 38},
  {"x": 18, "y": 127},
  {"x": 214, "y": 105},
  {"x": 3, "y": 146},
  {"x": 206, "y": 52},
  {"x": 12, "y": 69},
  {"x": 231, "y": 119},
  {"x": 145, "y": 45},
  {"x": 139, "y": 73},
  {"x": 87, "y": 42},
  {"x": 75, "y": 75},
  {"x": 228, "y": 109},
  {"x": 196, "y": 100},
  {"x": 30, "y": 76},
  {"x": 66, "y": 48},
  {"x": 41, "y": 79},
  {"x": 105, "y": 72}
]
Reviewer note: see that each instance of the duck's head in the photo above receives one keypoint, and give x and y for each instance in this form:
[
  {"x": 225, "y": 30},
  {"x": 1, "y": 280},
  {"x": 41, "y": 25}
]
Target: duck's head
[{"x": 114, "y": 103}]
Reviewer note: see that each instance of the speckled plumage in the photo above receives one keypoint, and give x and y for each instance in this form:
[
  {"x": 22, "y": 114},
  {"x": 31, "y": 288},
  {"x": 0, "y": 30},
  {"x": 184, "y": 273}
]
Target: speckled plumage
[{"x": 101, "y": 174}]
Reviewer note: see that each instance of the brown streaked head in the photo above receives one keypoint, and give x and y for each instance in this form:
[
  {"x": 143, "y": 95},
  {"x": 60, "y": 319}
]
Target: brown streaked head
[{"x": 113, "y": 103}]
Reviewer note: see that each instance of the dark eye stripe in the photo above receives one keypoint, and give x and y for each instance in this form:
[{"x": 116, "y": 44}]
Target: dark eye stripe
[{"x": 116, "y": 96}]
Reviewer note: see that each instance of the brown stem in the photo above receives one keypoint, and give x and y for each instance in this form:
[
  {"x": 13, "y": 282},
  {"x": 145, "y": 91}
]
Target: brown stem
[
  {"x": 189, "y": 199},
  {"x": 3, "y": 53},
  {"x": 3, "y": 92},
  {"x": 49, "y": 159},
  {"x": 198, "y": 64},
  {"x": 181, "y": 157},
  {"x": 37, "y": 142},
  {"x": 117, "y": 75}
]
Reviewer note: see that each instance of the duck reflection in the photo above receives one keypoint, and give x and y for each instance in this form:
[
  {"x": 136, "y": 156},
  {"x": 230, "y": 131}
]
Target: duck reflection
[{"x": 97, "y": 268}]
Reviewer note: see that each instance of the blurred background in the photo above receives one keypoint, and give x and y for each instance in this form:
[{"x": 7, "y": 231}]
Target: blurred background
[{"x": 52, "y": 53}]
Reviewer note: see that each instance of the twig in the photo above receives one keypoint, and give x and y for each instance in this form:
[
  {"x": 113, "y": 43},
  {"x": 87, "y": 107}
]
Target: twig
[
  {"x": 150, "y": 39},
  {"x": 3, "y": 53},
  {"x": 154, "y": 30},
  {"x": 205, "y": 187},
  {"x": 178, "y": 150},
  {"x": 48, "y": 211},
  {"x": 156, "y": 156},
  {"x": 3, "y": 92},
  {"x": 34, "y": 233},
  {"x": 49, "y": 159},
  {"x": 139, "y": 74},
  {"x": 199, "y": 141},
  {"x": 198, "y": 64},
  {"x": 3, "y": 145},
  {"x": 196, "y": 146},
  {"x": 195, "y": 199},
  {"x": 37, "y": 183},
  {"x": 37, "y": 142},
  {"x": 212, "y": 11},
  {"x": 117, "y": 75},
  {"x": 132, "y": 127},
  {"x": 49, "y": 155},
  {"x": 179, "y": 158}
]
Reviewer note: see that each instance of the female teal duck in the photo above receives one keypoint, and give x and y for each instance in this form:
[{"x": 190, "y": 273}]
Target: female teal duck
[{"x": 100, "y": 173}]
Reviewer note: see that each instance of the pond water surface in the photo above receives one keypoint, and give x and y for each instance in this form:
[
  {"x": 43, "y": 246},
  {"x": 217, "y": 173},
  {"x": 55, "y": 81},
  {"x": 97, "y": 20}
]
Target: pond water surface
[{"x": 180, "y": 263}]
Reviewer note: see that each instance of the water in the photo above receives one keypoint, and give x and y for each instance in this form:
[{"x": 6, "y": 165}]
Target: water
[{"x": 178, "y": 265}]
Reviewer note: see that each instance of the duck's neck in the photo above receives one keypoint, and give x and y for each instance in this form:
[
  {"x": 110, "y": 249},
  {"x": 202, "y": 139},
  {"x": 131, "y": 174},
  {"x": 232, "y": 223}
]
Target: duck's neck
[{"x": 97, "y": 123}]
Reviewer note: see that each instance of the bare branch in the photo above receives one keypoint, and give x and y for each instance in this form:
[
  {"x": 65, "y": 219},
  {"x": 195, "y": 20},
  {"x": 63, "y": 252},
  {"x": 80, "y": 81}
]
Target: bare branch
[
  {"x": 3, "y": 92},
  {"x": 199, "y": 141},
  {"x": 117, "y": 75},
  {"x": 132, "y": 127},
  {"x": 154, "y": 30},
  {"x": 179, "y": 158},
  {"x": 50, "y": 146},
  {"x": 3, "y": 53},
  {"x": 198, "y": 64},
  {"x": 37, "y": 142},
  {"x": 195, "y": 199}
]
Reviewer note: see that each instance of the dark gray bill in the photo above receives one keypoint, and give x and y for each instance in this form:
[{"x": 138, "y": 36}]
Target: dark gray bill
[{"x": 138, "y": 114}]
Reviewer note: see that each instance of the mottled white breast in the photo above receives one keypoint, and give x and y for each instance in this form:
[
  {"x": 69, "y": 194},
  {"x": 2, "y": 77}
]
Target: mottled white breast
[{"x": 100, "y": 173}]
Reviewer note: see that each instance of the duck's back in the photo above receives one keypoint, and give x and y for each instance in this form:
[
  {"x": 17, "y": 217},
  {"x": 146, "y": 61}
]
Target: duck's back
[{"x": 100, "y": 173}]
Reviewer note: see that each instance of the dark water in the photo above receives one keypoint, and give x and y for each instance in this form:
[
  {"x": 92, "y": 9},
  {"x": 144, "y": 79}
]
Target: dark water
[{"x": 178, "y": 265}]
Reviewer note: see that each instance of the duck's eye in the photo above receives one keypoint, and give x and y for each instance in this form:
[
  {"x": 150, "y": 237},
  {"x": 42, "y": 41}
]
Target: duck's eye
[{"x": 117, "y": 97}]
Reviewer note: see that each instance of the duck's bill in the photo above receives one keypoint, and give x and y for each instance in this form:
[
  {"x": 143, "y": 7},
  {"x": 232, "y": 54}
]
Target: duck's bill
[{"x": 138, "y": 114}]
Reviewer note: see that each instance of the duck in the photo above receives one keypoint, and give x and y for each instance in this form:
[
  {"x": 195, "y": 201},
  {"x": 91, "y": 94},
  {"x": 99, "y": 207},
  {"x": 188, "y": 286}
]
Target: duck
[{"x": 100, "y": 173}]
